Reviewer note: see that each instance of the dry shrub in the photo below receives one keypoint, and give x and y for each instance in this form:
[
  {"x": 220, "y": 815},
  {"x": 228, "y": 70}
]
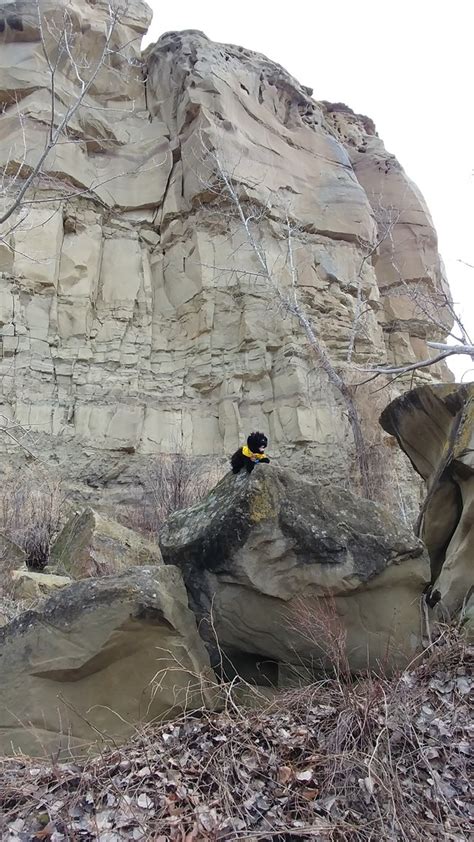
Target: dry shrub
[
  {"x": 32, "y": 504},
  {"x": 318, "y": 624},
  {"x": 172, "y": 482},
  {"x": 383, "y": 759}
]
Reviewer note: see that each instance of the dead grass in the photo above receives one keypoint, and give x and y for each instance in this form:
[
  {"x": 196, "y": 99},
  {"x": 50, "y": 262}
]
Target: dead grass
[
  {"x": 32, "y": 504},
  {"x": 375, "y": 759},
  {"x": 172, "y": 482}
]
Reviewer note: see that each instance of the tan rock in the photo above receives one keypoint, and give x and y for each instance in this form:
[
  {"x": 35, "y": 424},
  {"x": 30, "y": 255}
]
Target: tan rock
[
  {"x": 28, "y": 585},
  {"x": 296, "y": 573},
  {"x": 434, "y": 426},
  {"x": 98, "y": 658},
  {"x": 93, "y": 545},
  {"x": 131, "y": 305},
  {"x": 410, "y": 276}
]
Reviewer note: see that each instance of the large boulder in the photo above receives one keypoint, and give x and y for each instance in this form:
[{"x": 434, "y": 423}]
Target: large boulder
[
  {"x": 434, "y": 426},
  {"x": 93, "y": 545},
  {"x": 287, "y": 570},
  {"x": 97, "y": 658}
]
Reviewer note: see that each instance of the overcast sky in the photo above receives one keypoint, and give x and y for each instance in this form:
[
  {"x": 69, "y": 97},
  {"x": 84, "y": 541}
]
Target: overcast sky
[{"x": 408, "y": 65}]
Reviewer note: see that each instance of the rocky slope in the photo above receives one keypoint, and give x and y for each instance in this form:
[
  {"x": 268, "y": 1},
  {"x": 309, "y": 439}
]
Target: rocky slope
[{"x": 131, "y": 318}]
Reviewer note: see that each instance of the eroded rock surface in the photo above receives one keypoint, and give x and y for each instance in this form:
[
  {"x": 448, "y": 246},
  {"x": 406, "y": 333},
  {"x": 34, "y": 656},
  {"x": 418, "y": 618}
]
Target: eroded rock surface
[
  {"x": 434, "y": 426},
  {"x": 93, "y": 545},
  {"x": 284, "y": 565},
  {"x": 30, "y": 586},
  {"x": 131, "y": 318},
  {"x": 96, "y": 659}
]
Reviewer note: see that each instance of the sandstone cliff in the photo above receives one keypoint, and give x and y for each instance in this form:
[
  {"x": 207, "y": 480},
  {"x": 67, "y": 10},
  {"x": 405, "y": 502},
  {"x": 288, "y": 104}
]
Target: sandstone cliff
[
  {"x": 131, "y": 318},
  {"x": 434, "y": 427}
]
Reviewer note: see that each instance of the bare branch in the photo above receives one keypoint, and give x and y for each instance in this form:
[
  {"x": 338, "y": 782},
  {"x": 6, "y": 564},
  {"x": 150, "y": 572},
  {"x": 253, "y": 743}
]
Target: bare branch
[
  {"x": 69, "y": 114},
  {"x": 449, "y": 351}
]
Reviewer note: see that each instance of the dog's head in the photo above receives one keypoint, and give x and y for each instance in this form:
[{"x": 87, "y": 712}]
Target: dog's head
[{"x": 257, "y": 442}]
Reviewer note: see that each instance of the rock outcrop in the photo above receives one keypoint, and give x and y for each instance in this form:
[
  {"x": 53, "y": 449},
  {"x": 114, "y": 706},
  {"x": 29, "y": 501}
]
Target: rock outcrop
[
  {"x": 31, "y": 586},
  {"x": 285, "y": 570},
  {"x": 131, "y": 318},
  {"x": 97, "y": 658},
  {"x": 434, "y": 426},
  {"x": 93, "y": 545}
]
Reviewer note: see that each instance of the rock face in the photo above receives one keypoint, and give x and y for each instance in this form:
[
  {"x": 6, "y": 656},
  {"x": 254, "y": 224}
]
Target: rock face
[
  {"x": 434, "y": 426},
  {"x": 97, "y": 658},
  {"x": 28, "y": 585},
  {"x": 132, "y": 320},
  {"x": 286, "y": 568},
  {"x": 93, "y": 545}
]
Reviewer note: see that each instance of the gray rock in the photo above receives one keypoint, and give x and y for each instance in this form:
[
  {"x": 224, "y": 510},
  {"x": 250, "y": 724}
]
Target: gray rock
[
  {"x": 284, "y": 567},
  {"x": 96, "y": 659}
]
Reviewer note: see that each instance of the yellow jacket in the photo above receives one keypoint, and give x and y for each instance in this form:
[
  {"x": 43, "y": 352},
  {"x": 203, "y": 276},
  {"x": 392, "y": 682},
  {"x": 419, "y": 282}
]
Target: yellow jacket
[{"x": 255, "y": 457}]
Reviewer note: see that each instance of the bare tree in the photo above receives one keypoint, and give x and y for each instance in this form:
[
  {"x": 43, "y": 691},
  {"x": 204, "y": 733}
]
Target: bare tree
[
  {"x": 386, "y": 218},
  {"x": 59, "y": 44},
  {"x": 24, "y": 175},
  {"x": 445, "y": 351}
]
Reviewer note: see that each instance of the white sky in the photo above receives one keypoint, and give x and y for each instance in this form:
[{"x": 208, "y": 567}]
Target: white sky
[{"x": 407, "y": 65}]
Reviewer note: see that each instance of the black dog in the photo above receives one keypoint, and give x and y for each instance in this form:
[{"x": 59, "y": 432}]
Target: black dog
[{"x": 251, "y": 453}]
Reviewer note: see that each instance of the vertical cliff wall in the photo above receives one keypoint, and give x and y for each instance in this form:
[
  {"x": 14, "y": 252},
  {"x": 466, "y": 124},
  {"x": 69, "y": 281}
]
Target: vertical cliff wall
[{"x": 133, "y": 319}]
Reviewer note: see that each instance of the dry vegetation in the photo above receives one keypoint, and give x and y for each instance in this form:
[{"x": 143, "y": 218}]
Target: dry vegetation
[
  {"x": 172, "y": 482},
  {"x": 32, "y": 507},
  {"x": 35, "y": 504},
  {"x": 374, "y": 759}
]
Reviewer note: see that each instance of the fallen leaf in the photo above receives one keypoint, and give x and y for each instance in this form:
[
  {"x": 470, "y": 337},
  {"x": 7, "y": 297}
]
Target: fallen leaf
[
  {"x": 145, "y": 801},
  {"x": 285, "y": 774},
  {"x": 46, "y": 832}
]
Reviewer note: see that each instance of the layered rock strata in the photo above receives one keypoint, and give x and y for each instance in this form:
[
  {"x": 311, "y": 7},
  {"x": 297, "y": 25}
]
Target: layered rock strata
[{"x": 133, "y": 320}]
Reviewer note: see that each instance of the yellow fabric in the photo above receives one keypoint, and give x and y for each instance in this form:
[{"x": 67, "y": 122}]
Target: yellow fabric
[{"x": 252, "y": 456}]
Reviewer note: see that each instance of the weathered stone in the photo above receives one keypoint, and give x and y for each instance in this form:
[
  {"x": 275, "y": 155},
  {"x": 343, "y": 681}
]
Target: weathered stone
[
  {"x": 93, "y": 545},
  {"x": 468, "y": 619},
  {"x": 434, "y": 426},
  {"x": 409, "y": 275},
  {"x": 28, "y": 585},
  {"x": 281, "y": 563},
  {"x": 99, "y": 657},
  {"x": 139, "y": 320}
]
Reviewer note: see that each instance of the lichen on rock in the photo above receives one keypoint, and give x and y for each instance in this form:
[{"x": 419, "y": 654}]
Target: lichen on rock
[{"x": 263, "y": 556}]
